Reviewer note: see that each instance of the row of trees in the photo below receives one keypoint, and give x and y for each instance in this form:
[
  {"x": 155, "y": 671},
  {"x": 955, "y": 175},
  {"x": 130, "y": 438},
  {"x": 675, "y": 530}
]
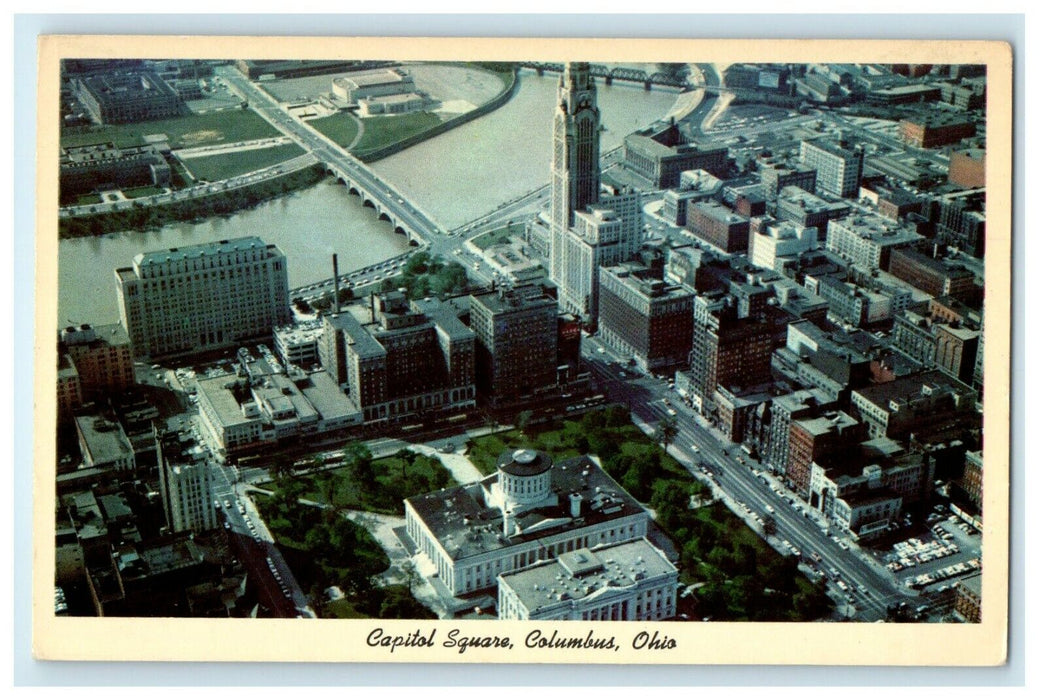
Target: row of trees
[
  {"x": 361, "y": 482},
  {"x": 142, "y": 217},
  {"x": 740, "y": 582}
]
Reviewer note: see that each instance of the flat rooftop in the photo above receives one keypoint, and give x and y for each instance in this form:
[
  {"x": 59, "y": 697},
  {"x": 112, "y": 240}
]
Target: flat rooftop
[
  {"x": 911, "y": 386},
  {"x": 215, "y": 390},
  {"x": 586, "y": 573},
  {"x": 372, "y": 78},
  {"x": 201, "y": 250},
  {"x": 103, "y": 439},
  {"x": 718, "y": 212},
  {"x": 466, "y": 526},
  {"x": 328, "y": 400}
]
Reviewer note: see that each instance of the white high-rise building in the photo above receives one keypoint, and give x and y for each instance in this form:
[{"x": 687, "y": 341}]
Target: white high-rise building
[
  {"x": 592, "y": 225},
  {"x": 186, "y": 484},
  {"x": 203, "y": 297},
  {"x": 575, "y": 159},
  {"x": 597, "y": 239},
  {"x": 839, "y": 167}
]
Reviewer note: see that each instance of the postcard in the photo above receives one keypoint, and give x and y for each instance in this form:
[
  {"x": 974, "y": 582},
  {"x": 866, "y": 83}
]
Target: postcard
[{"x": 522, "y": 351}]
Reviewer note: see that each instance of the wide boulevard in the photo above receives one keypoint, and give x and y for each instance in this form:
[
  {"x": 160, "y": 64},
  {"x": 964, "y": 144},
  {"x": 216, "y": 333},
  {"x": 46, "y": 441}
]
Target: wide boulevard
[{"x": 870, "y": 587}]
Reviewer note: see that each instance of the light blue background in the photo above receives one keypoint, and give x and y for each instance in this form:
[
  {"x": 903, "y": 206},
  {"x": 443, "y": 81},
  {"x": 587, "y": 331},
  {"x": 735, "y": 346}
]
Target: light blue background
[{"x": 27, "y": 671}]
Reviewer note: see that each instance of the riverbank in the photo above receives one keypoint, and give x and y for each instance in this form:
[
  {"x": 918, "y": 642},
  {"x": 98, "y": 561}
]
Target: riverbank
[
  {"x": 509, "y": 79},
  {"x": 143, "y": 217}
]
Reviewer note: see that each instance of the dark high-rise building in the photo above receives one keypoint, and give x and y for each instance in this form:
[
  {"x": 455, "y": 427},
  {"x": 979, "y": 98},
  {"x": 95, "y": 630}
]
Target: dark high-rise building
[
  {"x": 729, "y": 350},
  {"x": 575, "y": 158},
  {"x": 816, "y": 439},
  {"x": 400, "y": 360},
  {"x": 644, "y": 318},
  {"x": 516, "y": 338}
]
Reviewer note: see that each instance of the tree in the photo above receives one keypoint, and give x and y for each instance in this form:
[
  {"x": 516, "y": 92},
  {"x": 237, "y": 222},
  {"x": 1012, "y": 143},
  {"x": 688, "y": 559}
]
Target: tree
[
  {"x": 667, "y": 431},
  {"x": 410, "y": 573},
  {"x": 769, "y": 525},
  {"x": 329, "y": 482},
  {"x": 523, "y": 421},
  {"x": 701, "y": 490}
]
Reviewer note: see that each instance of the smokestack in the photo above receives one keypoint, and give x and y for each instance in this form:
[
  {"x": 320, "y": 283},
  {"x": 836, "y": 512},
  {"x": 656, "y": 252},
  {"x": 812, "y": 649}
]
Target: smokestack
[{"x": 337, "y": 303}]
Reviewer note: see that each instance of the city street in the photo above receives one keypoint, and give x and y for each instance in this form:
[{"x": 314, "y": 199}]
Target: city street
[{"x": 734, "y": 475}]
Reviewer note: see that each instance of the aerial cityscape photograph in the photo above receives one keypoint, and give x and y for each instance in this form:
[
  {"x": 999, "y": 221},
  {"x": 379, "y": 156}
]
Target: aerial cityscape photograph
[{"x": 520, "y": 340}]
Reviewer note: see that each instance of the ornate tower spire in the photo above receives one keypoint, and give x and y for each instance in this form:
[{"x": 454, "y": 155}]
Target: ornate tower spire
[{"x": 575, "y": 156}]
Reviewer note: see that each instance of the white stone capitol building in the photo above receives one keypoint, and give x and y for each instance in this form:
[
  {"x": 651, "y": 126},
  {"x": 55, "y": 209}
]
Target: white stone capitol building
[{"x": 531, "y": 511}]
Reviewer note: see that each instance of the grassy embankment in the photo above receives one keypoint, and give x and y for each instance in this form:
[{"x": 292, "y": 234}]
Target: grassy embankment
[
  {"x": 228, "y": 165},
  {"x": 221, "y": 203},
  {"x": 499, "y": 236}
]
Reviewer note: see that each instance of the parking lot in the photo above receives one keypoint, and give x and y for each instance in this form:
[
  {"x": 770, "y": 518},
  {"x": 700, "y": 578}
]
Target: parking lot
[{"x": 949, "y": 548}]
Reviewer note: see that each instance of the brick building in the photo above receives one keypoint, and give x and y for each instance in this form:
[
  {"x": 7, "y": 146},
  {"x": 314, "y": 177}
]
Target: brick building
[
  {"x": 730, "y": 351},
  {"x": 935, "y": 130},
  {"x": 98, "y": 363},
  {"x": 933, "y": 276},
  {"x": 644, "y": 318},
  {"x": 398, "y": 360},
  {"x": 818, "y": 439},
  {"x": 516, "y": 333},
  {"x": 972, "y": 482},
  {"x": 966, "y": 168},
  {"x": 718, "y": 225}
]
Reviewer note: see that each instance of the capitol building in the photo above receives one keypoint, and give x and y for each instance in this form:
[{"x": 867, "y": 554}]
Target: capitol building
[{"x": 530, "y": 514}]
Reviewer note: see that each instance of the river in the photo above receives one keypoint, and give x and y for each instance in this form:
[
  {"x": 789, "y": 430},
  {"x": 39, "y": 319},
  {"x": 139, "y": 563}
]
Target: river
[{"x": 456, "y": 177}]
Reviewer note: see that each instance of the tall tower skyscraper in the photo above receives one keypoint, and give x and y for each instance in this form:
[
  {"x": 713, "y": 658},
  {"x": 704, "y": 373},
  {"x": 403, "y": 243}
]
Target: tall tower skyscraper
[{"x": 575, "y": 158}]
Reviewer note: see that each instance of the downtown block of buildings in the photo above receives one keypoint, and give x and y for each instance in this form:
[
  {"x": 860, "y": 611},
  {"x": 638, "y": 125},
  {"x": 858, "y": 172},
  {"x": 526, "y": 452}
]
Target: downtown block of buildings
[
  {"x": 817, "y": 314},
  {"x": 837, "y": 328}
]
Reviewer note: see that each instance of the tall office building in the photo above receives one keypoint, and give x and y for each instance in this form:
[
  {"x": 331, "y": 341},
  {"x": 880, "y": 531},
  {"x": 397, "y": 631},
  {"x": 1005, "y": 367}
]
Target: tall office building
[
  {"x": 516, "y": 342},
  {"x": 186, "y": 483},
  {"x": 203, "y": 297},
  {"x": 575, "y": 158},
  {"x": 398, "y": 359},
  {"x": 839, "y": 165},
  {"x": 645, "y": 319}
]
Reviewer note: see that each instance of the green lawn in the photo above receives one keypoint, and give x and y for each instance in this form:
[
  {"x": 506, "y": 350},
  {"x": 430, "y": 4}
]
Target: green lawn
[
  {"x": 343, "y": 609},
  {"x": 499, "y": 236},
  {"x": 340, "y": 128},
  {"x": 183, "y": 132},
  {"x": 395, "y": 478},
  {"x": 224, "y": 166},
  {"x": 565, "y": 439},
  {"x": 381, "y": 131},
  {"x": 85, "y": 199}
]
